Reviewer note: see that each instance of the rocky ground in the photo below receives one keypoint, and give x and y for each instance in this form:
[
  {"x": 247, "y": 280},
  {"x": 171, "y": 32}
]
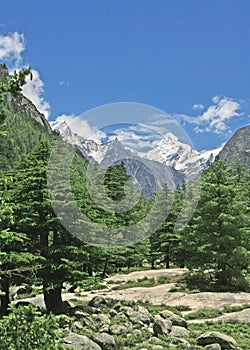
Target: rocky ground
[{"x": 115, "y": 319}]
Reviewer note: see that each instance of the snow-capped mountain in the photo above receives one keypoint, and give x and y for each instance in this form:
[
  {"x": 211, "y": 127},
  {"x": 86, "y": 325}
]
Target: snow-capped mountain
[
  {"x": 89, "y": 148},
  {"x": 181, "y": 156},
  {"x": 171, "y": 162}
]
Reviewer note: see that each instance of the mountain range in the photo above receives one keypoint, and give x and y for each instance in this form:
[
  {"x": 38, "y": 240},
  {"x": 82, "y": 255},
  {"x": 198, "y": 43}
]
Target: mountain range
[{"x": 170, "y": 162}]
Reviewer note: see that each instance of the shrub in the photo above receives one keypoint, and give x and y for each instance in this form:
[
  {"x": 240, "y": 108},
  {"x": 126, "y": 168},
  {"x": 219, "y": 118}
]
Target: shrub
[{"x": 26, "y": 329}]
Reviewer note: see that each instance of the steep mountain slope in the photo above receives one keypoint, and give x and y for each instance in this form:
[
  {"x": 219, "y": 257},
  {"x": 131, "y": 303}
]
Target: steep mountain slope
[
  {"x": 237, "y": 149},
  {"x": 25, "y": 127}
]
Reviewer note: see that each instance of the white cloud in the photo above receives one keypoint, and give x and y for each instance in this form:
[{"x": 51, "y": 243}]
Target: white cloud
[
  {"x": 198, "y": 107},
  {"x": 11, "y": 47},
  {"x": 217, "y": 117},
  {"x": 34, "y": 90}
]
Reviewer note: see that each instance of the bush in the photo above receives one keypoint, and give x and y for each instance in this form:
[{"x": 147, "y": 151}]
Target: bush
[{"x": 26, "y": 329}]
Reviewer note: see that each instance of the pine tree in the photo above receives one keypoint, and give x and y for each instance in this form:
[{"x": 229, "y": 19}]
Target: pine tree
[{"x": 216, "y": 237}]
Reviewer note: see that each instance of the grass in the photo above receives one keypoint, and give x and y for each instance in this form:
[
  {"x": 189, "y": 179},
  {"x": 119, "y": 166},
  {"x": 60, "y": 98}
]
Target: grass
[
  {"x": 212, "y": 313},
  {"x": 144, "y": 282},
  {"x": 156, "y": 309},
  {"x": 203, "y": 313}
]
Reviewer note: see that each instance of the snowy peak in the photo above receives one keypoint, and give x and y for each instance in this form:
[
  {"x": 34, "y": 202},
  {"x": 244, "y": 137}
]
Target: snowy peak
[
  {"x": 181, "y": 156},
  {"x": 89, "y": 148}
]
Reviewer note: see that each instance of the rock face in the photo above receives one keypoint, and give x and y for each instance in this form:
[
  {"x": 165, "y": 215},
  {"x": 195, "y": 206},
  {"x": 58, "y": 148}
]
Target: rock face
[
  {"x": 237, "y": 149},
  {"x": 225, "y": 342}
]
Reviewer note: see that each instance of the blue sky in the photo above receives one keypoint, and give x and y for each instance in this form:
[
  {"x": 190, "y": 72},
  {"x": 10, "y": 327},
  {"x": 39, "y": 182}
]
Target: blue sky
[{"x": 190, "y": 59}]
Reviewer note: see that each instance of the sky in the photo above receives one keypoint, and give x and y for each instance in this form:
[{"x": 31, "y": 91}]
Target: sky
[{"x": 189, "y": 59}]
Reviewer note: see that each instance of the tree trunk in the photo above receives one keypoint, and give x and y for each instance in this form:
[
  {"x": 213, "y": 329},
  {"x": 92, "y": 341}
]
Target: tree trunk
[
  {"x": 104, "y": 273},
  {"x": 53, "y": 300},
  {"x": 167, "y": 257},
  {"x": 5, "y": 299}
]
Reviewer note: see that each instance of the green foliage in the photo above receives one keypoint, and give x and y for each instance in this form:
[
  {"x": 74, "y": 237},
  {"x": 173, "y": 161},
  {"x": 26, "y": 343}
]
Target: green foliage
[
  {"x": 156, "y": 309},
  {"x": 203, "y": 313},
  {"x": 217, "y": 237},
  {"x": 27, "y": 329}
]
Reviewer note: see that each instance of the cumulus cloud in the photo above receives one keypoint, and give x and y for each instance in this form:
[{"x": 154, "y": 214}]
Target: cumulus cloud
[
  {"x": 11, "y": 47},
  {"x": 216, "y": 118},
  {"x": 34, "y": 90}
]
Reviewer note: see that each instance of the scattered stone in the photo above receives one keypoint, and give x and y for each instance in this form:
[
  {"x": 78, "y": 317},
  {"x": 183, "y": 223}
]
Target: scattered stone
[
  {"x": 80, "y": 342},
  {"x": 179, "y": 332},
  {"x": 106, "y": 341},
  {"x": 226, "y": 342}
]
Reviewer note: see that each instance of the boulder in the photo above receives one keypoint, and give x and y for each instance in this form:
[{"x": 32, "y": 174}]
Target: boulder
[
  {"x": 175, "y": 319},
  {"x": 102, "y": 318},
  {"x": 106, "y": 341},
  {"x": 97, "y": 302},
  {"x": 118, "y": 329},
  {"x": 226, "y": 342},
  {"x": 161, "y": 326},
  {"x": 179, "y": 332},
  {"x": 80, "y": 342}
]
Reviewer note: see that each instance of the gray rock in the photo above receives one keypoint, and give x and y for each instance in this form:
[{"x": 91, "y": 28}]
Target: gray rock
[
  {"x": 179, "y": 332},
  {"x": 127, "y": 310},
  {"x": 106, "y": 341},
  {"x": 77, "y": 326},
  {"x": 112, "y": 313},
  {"x": 120, "y": 317},
  {"x": 213, "y": 347},
  {"x": 175, "y": 319},
  {"x": 97, "y": 302},
  {"x": 226, "y": 342},
  {"x": 161, "y": 326},
  {"x": 80, "y": 342},
  {"x": 102, "y": 318},
  {"x": 118, "y": 329},
  {"x": 141, "y": 319},
  {"x": 153, "y": 340}
]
